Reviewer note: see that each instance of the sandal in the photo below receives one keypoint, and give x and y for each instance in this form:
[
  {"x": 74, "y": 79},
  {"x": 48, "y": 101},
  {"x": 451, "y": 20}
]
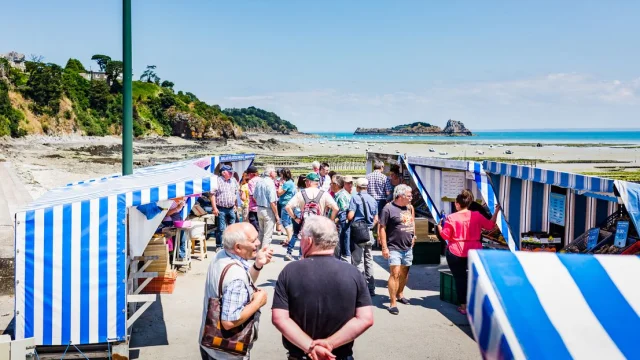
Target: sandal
[
  {"x": 284, "y": 243},
  {"x": 393, "y": 310},
  {"x": 403, "y": 300},
  {"x": 462, "y": 311}
]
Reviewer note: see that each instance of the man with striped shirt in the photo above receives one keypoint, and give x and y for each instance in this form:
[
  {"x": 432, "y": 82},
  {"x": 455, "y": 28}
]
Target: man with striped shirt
[
  {"x": 378, "y": 187},
  {"x": 224, "y": 200}
]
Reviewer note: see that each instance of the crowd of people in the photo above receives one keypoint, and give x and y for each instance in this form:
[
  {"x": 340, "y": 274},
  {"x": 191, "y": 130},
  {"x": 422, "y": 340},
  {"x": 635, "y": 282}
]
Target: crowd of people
[{"x": 333, "y": 218}]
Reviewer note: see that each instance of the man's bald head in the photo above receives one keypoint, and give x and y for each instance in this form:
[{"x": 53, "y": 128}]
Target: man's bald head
[{"x": 237, "y": 234}]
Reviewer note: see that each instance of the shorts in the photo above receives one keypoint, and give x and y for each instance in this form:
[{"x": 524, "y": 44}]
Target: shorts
[
  {"x": 285, "y": 219},
  {"x": 397, "y": 257}
]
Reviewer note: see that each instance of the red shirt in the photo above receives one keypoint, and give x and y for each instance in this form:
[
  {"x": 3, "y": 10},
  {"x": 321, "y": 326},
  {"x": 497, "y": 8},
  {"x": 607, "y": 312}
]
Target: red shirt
[{"x": 463, "y": 230}]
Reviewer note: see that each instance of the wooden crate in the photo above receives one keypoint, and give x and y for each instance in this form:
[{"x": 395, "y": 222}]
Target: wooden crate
[
  {"x": 158, "y": 247},
  {"x": 422, "y": 228}
]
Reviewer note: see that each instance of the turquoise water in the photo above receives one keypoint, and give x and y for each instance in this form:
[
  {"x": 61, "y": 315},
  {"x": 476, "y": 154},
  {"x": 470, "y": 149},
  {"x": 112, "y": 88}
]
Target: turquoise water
[{"x": 532, "y": 136}]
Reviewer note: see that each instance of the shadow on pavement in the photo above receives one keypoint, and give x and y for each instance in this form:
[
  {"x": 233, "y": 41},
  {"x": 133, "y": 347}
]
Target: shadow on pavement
[
  {"x": 447, "y": 310},
  {"x": 149, "y": 329}
]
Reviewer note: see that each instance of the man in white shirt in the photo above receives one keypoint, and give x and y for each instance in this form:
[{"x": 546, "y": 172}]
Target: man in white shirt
[
  {"x": 325, "y": 180},
  {"x": 312, "y": 191}
]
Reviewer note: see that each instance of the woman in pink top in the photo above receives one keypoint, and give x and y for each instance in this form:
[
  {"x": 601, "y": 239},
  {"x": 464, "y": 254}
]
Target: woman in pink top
[{"x": 463, "y": 231}]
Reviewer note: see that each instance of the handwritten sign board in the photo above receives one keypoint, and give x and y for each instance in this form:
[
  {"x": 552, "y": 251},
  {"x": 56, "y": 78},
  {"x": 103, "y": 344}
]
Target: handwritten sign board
[
  {"x": 453, "y": 182},
  {"x": 592, "y": 240},
  {"x": 557, "y": 207},
  {"x": 622, "y": 229}
]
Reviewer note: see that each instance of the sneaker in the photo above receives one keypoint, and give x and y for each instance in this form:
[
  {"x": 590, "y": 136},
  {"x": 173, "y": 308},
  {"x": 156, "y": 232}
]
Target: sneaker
[
  {"x": 288, "y": 257},
  {"x": 393, "y": 310}
]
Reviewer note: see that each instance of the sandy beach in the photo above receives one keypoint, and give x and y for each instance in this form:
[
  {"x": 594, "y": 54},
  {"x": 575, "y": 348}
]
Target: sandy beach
[{"x": 44, "y": 162}]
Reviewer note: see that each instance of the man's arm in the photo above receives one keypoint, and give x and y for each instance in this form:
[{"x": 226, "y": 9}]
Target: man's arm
[
  {"x": 290, "y": 330},
  {"x": 258, "y": 300},
  {"x": 353, "y": 328},
  {"x": 274, "y": 208},
  {"x": 351, "y": 215}
]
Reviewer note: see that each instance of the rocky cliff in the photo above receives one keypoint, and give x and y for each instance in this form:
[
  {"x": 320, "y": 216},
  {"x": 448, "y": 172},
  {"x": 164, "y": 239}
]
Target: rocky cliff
[
  {"x": 453, "y": 128},
  {"x": 456, "y": 128}
]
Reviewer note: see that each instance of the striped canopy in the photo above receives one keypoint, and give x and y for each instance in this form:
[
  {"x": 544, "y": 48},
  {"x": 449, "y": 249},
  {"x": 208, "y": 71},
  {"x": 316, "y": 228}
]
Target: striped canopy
[
  {"x": 551, "y": 177},
  {"x": 71, "y": 254},
  {"x": 546, "y": 306}
]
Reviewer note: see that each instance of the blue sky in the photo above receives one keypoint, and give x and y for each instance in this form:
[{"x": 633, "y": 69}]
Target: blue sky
[{"x": 337, "y": 65}]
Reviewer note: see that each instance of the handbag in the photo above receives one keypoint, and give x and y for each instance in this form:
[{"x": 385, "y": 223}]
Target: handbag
[
  {"x": 235, "y": 341},
  {"x": 360, "y": 228}
]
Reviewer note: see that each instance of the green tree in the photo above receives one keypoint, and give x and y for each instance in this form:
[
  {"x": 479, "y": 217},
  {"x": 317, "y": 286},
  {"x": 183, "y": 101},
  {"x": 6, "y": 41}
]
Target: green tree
[
  {"x": 99, "y": 96},
  {"x": 74, "y": 65},
  {"x": 167, "y": 84},
  {"x": 102, "y": 61},
  {"x": 9, "y": 117},
  {"x": 44, "y": 86},
  {"x": 149, "y": 75}
]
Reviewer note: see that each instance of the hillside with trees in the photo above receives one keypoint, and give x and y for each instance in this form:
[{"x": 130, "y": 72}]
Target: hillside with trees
[{"x": 45, "y": 98}]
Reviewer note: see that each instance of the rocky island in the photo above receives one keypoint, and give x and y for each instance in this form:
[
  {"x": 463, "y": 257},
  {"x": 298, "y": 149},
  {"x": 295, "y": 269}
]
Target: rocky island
[{"x": 453, "y": 128}]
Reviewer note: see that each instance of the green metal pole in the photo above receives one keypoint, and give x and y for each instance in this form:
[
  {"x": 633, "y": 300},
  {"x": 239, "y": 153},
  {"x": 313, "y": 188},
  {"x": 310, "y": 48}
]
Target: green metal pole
[{"x": 127, "y": 92}]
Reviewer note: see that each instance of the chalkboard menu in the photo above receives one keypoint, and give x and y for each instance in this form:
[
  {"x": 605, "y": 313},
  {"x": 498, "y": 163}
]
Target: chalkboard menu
[{"x": 557, "y": 209}]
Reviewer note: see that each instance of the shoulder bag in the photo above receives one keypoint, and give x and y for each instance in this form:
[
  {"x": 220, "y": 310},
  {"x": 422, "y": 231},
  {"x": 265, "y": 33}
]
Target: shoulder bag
[
  {"x": 360, "y": 228},
  {"x": 236, "y": 341}
]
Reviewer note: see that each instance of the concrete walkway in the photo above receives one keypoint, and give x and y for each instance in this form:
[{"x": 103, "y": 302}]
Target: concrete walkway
[{"x": 426, "y": 329}]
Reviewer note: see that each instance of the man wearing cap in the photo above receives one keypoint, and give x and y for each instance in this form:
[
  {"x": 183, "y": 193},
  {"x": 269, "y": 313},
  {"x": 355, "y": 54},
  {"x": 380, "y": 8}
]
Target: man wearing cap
[
  {"x": 223, "y": 201},
  {"x": 311, "y": 192},
  {"x": 252, "y": 180},
  {"x": 266, "y": 198},
  {"x": 348, "y": 184},
  {"x": 361, "y": 255}
]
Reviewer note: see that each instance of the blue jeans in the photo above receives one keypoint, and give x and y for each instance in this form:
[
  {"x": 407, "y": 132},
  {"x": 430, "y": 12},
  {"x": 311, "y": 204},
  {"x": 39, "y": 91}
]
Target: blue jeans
[
  {"x": 345, "y": 238},
  {"x": 285, "y": 219},
  {"x": 296, "y": 233},
  {"x": 226, "y": 217}
]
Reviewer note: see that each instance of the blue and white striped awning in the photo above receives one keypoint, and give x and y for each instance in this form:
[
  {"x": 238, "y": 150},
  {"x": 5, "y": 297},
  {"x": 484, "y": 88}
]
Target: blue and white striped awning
[
  {"x": 70, "y": 260},
  {"x": 546, "y": 306},
  {"x": 551, "y": 177},
  {"x": 480, "y": 178}
]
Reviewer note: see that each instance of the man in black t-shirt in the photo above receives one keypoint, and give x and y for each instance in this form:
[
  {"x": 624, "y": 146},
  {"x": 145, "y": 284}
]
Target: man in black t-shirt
[
  {"x": 396, "y": 235},
  {"x": 316, "y": 297}
]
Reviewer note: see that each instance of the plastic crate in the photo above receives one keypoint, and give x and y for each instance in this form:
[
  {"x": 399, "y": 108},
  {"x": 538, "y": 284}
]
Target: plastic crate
[
  {"x": 426, "y": 253},
  {"x": 162, "y": 284},
  {"x": 580, "y": 243},
  {"x": 448, "y": 291}
]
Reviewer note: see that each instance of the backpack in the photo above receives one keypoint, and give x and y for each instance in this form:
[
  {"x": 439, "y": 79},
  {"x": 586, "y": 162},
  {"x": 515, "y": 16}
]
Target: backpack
[{"x": 311, "y": 206}]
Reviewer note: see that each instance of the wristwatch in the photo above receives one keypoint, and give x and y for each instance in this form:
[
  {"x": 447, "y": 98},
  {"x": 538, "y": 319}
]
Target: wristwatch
[{"x": 257, "y": 268}]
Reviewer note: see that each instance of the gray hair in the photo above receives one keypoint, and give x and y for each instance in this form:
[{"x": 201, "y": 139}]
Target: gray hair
[
  {"x": 268, "y": 170},
  {"x": 378, "y": 165},
  {"x": 400, "y": 190},
  {"x": 315, "y": 165},
  {"x": 338, "y": 180},
  {"x": 231, "y": 237},
  {"x": 322, "y": 231}
]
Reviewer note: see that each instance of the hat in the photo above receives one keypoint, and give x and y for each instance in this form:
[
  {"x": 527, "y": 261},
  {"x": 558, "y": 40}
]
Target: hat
[
  {"x": 252, "y": 170},
  {"x": 312, "y": 177},
  {"x": 362, "y": 182},
  {"x": 226, "y": 168},
  {"x": 347, "y": 178}
]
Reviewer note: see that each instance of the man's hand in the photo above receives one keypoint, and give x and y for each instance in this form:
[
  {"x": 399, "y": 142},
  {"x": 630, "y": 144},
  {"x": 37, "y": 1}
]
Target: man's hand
[
  {"x": 215, "y": 211},
  {"x": 297, "y": 220},
  {"x": 385, "y": 253},
  {"x": 260, "y": 297},
  {"x": 263, "y": 256},
  {"x": 321, "y": 353},
  {"x": 322, "y": 342}
]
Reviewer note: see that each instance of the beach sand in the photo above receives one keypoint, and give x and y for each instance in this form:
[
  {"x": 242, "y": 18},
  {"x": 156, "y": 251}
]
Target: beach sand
[{"x": 44, "y": 162}]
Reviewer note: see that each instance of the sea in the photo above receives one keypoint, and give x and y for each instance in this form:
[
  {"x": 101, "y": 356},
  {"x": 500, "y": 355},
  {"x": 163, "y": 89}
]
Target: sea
[{"x": 504, "y": 136}]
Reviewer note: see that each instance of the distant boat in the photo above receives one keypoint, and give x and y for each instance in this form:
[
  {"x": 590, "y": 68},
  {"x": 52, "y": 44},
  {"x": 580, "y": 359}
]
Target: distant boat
[
  {"x": 443, "y": 153},
  {"x": 432, "y": 150},
  {"x": 479, "y": 152},
  {"x": 508, "y": 152}
]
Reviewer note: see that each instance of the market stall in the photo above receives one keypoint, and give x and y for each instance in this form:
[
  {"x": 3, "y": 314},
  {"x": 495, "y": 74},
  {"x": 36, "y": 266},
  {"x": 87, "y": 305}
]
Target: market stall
[
  {"x": 553, "y": 210},
  {"x": 438, "y": 182},
  {"x": 76, "y": 247},
  {"x": 546, "y": 306}
]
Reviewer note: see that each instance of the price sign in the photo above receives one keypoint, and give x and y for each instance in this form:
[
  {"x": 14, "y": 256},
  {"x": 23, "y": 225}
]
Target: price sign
[
  {"x": 557, "y": 209},
  {"x": 622, "y": 229},
  {"x": 592, "y": 240},
  {"x": 453, "y": 182}
]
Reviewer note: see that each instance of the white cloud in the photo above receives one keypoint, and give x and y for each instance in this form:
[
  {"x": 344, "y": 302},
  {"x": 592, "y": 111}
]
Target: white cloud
[{"x": 561, "y": 100}]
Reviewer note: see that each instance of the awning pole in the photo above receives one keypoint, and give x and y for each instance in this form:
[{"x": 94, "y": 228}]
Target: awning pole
[{"x": 127, "y": 93}]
